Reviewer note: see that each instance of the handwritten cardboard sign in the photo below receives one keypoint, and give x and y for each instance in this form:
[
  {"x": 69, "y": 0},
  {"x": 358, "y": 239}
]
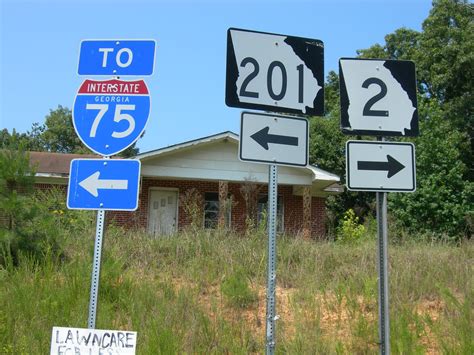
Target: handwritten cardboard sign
[{"x": 79, "y": 341}]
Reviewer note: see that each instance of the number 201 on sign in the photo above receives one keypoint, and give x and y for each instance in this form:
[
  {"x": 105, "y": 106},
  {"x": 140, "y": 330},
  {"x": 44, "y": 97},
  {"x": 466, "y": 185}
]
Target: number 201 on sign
[{"x": 274, "y": 72}]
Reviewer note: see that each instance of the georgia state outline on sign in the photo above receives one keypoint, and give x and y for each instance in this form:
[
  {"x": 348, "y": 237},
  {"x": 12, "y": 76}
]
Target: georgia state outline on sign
[{"x": 393, "y": 101}]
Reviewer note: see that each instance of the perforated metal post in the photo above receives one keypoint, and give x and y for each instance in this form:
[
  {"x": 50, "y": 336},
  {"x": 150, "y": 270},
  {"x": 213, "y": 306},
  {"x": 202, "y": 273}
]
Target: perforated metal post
[
  {"x": 382, "y": 256},
  {"x": 271, "y": 280},
  {"x": 96, "y": 268}
]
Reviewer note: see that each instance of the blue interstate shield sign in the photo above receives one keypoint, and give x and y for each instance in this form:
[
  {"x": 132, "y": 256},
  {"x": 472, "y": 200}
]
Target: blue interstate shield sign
[
  {"x": 104, "y": 184},
  {"x": 117, "y": 57},
  {"x": 111, "y": 115}
]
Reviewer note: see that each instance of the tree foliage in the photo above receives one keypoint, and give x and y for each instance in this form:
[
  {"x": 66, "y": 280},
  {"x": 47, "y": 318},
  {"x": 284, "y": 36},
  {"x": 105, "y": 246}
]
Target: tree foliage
[
  {"x": 444, "y": 58},
  {"x": 56, "y": 135},
  {"x": 444, "y": 196},
  {"x": 26, "y": 228}
]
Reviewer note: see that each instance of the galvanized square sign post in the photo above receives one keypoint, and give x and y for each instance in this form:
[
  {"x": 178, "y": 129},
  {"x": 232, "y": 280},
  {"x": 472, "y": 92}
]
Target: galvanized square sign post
[
  {"x": 108, "y": 116},
  {"x": 378, "y": 98},
  {"x": 275, "y": 73}
]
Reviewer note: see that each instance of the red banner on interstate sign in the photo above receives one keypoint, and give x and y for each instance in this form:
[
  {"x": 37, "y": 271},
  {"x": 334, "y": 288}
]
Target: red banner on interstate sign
[{"x": 113, "y": 87}]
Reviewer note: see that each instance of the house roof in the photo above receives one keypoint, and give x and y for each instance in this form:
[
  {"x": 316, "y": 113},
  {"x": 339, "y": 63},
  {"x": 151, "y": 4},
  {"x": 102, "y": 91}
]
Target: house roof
[
  {"x": 209, "y": 158},
  {"x": 214, "y": 158},
  {"x": 319, "y": 174},
  {"x": 55, "y": 163},
  {"x": 189, "y": 144}
]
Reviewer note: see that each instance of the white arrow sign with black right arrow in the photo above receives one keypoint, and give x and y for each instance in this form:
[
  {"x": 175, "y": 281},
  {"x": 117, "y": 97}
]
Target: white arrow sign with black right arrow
[
  {"x": 380, "y": 166},
  {"x": 273, "y": 139}
]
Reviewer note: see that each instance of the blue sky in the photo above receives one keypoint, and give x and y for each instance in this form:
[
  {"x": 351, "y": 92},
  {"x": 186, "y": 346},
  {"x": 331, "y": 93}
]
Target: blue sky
[{"x": 39, "y": 50}]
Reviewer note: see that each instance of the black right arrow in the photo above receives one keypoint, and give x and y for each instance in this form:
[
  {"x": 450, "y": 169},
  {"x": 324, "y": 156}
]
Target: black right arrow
[
  {"x": 392, "y": 166},
  {"x": 262, "y": 137}
]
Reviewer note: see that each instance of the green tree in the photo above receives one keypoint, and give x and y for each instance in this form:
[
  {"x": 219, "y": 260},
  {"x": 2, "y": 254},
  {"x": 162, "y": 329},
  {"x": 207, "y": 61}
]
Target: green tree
[
  {"x": 403, "y": 44},
  {"x": 25, "y": 226},
  {"x": 56, "y": 135},
  {"x": 443, "y": 201},
  {"x": 25, "y": 140},
  {"x": 443, "y": 54},
  {"x": 327, "y": 151},
  {"x": 446, "y": 59}
]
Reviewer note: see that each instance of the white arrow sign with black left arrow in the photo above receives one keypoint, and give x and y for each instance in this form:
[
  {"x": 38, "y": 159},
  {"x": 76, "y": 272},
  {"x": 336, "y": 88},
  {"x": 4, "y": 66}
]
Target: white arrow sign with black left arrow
[
  {"x": 380, "y": 166},
  {"x": 263, "y": 137},
  {"x": 273, "y": 139}
]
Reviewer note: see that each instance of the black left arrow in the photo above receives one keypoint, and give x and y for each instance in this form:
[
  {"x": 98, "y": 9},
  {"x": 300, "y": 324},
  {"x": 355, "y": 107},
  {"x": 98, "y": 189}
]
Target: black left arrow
[
  {"x": 262, "y": 137},
  {"x": 391, "y": 166}
]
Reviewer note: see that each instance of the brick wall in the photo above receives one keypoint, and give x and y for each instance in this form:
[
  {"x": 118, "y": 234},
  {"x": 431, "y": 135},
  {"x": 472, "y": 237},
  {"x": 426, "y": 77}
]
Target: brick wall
[
  {"x": 46, "y": 187},
  {"x": 293, "y": 206}
]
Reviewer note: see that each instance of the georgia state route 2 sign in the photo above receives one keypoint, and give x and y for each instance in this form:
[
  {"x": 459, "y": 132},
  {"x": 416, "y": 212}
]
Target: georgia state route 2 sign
[
  {"x": 378, "y": 97},
  {"x": 111, "y": 115}
]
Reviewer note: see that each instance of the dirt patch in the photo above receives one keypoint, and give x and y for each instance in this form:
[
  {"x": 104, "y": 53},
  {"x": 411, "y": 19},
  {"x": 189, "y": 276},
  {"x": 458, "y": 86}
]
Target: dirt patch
[
  {"x": 432, "y": 309},
  {"x": 335, "y": 316}
]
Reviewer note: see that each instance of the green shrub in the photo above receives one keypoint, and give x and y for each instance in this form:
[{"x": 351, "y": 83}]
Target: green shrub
[
  {"x": 236, "y": 290},
  {"x": 350, "y": 231},
  {"x": 28, "y": 228},
  {"x": 71, "y": 221}
]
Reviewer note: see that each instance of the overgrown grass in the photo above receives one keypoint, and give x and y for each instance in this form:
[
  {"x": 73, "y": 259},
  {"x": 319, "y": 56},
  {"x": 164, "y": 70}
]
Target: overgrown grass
[{"x": 205, "y": 293}]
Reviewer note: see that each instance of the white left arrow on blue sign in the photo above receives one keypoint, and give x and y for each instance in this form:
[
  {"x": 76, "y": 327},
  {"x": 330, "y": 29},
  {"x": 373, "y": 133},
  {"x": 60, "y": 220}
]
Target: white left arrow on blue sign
[
  {"x": 93, "y": 183},
  {"x": 106, "y": 184}
]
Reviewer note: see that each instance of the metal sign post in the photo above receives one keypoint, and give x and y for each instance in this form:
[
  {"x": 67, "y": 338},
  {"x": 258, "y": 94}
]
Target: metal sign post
[
  {"x": 98, "y": 111},
  {"x": 277, "y": 73},
  {"x": 378, "y": 98},
  {"x": 96, "y": 269},
  {"x": 271, "y": 274},
  {"x": 382, "y": 265}
]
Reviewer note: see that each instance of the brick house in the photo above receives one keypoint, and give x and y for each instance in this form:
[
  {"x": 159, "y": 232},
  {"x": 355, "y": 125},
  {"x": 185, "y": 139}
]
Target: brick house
[{"x": 227, "y": 188}]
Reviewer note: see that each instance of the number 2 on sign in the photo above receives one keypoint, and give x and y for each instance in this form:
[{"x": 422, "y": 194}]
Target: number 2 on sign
[
  {"x": 368, "y": 111},
  {"x": 118, "y": 116}
]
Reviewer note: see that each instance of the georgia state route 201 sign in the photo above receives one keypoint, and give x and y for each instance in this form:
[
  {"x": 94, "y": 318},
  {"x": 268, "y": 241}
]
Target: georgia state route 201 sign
[
  {"x": 271, "y": 72},
  {"x": 111, "y": 115}
]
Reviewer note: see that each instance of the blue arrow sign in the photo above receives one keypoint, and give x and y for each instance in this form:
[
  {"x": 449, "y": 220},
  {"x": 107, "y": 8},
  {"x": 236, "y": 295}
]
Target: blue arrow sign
[
  {"x": 117, "y": 57},
  {"x": 103, "y": 184},
  {"x": 111, "y": 115}
]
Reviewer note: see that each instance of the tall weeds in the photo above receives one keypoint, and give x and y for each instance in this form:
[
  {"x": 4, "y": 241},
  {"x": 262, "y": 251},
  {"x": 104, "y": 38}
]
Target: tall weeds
[{"x": 204, "y": 292}]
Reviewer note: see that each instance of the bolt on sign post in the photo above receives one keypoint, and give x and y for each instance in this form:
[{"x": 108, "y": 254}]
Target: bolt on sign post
[
  {"x": 282, "y": 74},
  {"x": 108, "y": 116},
  {"x": 378, "y": 98}
]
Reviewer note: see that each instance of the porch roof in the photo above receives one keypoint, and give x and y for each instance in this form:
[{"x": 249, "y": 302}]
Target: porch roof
[{"x": 216, "y": 158}]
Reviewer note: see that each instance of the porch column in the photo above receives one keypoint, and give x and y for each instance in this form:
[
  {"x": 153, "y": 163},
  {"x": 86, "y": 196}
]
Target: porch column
[
  {"x": 223, "y": 192},
  {"x": 307, "y": 212}
]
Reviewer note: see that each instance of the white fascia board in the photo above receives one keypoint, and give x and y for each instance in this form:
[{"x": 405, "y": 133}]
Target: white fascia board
[
  {"x": 49, "y": 178},
  {"x": 189, "y": 144},
  {"x": 191, "y": 173},
  {"x": 320, "y": 174}
]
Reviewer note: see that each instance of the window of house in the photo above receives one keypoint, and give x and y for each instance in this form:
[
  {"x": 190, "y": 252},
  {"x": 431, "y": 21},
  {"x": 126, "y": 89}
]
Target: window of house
[
  {"x": 211, "y": 210},
  {"x": 263, "y": 211}
]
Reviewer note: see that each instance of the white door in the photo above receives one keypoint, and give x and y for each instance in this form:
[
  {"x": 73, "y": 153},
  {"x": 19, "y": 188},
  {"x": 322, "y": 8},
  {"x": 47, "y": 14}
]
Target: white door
[{"x": 162, "y": 212}]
